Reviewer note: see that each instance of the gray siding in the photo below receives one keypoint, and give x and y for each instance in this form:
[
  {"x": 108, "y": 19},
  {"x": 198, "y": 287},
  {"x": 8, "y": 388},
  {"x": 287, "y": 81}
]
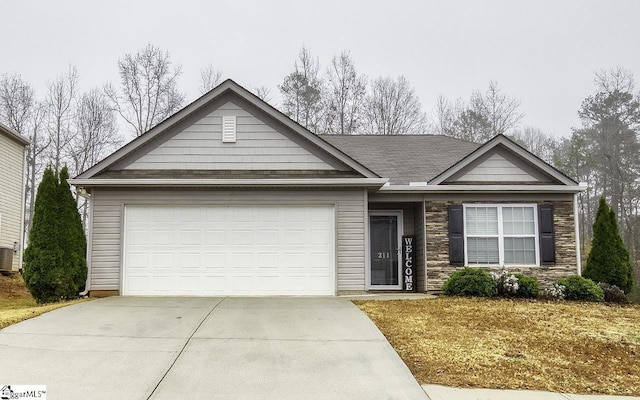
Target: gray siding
[
  {"x": 108, "y": 204},
  {"x": 11, "y": 169},
  {"x": 199, "y": 146},
  {"x": 500, "y": 167}
]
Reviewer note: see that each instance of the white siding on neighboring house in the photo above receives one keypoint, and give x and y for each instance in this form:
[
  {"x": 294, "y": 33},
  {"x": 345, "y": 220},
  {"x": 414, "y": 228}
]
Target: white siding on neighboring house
[
  {"x": 257, "y": 146},
  {"x": 108, "y": 206},
  {"x": 500, "y": 168},
  {"x": 11, "y": 170}
]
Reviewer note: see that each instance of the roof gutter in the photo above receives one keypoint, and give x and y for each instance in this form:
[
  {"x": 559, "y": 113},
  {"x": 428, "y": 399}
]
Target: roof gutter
[{"x": 321, "y": 182}]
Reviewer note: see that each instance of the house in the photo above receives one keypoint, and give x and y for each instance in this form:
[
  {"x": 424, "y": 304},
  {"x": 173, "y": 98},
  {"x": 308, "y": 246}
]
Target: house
[
  {"x": 13, "y": 149},
  {"x": 230, "y": 197}
]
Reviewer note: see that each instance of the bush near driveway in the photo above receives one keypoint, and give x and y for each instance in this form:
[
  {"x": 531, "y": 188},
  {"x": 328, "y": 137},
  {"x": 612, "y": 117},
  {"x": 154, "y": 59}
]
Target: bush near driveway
[
  {"x": 54, "y": 263},
  {"x": 569, "y": 347}
]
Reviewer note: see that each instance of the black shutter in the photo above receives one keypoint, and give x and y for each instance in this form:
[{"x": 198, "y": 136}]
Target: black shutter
[
  {"x": 546, "y": 234},
  {"x": 456, "y": 235}
]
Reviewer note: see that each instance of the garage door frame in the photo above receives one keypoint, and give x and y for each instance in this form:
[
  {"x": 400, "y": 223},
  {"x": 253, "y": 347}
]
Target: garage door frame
[{"x": 334, "y": 222}]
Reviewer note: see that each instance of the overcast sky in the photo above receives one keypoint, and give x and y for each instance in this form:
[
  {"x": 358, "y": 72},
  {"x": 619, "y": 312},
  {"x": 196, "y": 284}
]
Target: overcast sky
[{"x": 541, "y": 52}]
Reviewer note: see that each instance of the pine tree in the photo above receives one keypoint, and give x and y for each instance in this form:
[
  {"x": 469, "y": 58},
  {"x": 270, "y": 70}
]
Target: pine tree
[
  {"x": 608, "y": 261},
  {"x": 54, "y": 261}
]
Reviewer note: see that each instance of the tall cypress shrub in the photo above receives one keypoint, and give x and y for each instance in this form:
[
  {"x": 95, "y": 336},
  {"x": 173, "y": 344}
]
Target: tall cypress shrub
[
  {"x": 608, "y": 260},
  {"x": 54, "y": 261},
  {"x": 72, "y": 233},
  {"x": 624, "y": 275}
]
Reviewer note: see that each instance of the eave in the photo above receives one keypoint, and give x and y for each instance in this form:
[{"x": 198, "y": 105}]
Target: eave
[
  {"x": 482, "y": 189},
  {"x": 322, "y": 183}
]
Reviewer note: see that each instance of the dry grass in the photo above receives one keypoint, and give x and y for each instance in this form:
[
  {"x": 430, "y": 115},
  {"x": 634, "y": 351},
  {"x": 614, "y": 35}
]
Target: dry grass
[
  {"x": 16, "y": 303},
  {"x": 510, "y": 344}
]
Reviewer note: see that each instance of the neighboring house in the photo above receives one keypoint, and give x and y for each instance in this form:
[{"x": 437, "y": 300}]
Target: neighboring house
[
  {"x": 12, "y": 175},
  {"x": 230, "y": 197}
]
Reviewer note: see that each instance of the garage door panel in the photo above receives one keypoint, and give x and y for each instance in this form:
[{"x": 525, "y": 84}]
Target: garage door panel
[
  {"x": 162, "y": 260},
  {"x": 210, "y": 250},
  {"x": 241, "y": 237},
  {"x": 163, "y": 237}
]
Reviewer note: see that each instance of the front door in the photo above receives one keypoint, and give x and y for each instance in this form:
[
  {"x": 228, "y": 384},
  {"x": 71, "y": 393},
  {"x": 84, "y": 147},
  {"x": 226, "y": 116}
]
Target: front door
[{"x": 385, "y": 233}]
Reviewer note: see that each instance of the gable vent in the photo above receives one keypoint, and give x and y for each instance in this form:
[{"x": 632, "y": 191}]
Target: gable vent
[{"x": 229, "y": 129}]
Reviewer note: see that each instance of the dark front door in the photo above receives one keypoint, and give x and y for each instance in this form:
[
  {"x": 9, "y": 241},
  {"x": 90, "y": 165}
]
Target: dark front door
[{"x": 383, "y": 232}]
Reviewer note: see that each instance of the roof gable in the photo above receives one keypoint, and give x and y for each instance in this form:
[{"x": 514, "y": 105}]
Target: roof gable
[
  {"x": 259, "y": 144},
  {"x": 191, "y": 140},
  {"x": 501, "y": 161}
]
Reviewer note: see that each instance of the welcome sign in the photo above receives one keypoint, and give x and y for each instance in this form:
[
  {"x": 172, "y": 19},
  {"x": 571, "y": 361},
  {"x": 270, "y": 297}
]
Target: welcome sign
[{"x": 408, "y": 264}]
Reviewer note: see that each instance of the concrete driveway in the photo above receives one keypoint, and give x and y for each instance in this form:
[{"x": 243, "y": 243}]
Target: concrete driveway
[{"x": 206, "y": 348}]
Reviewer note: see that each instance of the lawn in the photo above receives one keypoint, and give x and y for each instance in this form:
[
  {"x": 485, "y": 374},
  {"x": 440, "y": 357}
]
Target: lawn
[
  {"x": 16, "y": 303},
  {"x": 515, "y": 344}
]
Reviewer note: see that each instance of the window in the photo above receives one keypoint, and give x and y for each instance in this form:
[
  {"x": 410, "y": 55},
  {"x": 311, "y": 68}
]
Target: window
[{"x": 501, "y": 234}]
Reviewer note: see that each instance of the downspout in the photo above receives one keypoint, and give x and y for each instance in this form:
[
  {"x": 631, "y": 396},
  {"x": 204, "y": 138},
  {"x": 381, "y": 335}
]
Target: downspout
[
  {"x": 20, "y": 248},
  {"x": 576, "y": 223},
  {"x": 87, "y": 198}
]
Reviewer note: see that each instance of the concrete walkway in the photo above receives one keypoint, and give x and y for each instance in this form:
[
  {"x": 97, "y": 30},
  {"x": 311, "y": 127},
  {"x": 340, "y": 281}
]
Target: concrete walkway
[
  {"x": 437, "y": 392},
  {"x": 206, "y": 348}
]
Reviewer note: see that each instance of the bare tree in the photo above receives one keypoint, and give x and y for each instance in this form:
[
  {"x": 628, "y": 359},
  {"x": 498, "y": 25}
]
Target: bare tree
[
  {"x": 209, "y": 78},
  {"x": 302, "y": 91},
  {"x": 149, "y": 88},
  {"x": 393, "y": 107},
  {"x": 97, "y": 131},
  {"x": 485, "y": 115},
  {"x": 537, "y": 142},
  {"x": 60, "y": 113},
  {"x": 445, "y": 116},
  {"x": 97, "y": 135},
  {"x": 16, "y": 102},
  {"x": 501, "y": 111},
  {"x": 617, "y": 78},
  {"x": 35, "y": 162},
  {"x": 263, "y": 93},
  {"x": 344, "y": 97}
]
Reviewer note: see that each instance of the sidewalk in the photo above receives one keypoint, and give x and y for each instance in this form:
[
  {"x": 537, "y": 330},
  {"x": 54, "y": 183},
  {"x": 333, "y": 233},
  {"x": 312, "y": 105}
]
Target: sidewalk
[{"x": 437, "y": 392}]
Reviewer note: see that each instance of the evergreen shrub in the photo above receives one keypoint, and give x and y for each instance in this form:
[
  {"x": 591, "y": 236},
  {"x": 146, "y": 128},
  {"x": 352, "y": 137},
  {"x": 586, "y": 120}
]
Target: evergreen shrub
[
  {"x": 470, "y": 282},
  {"x": 581, "y": 289}
]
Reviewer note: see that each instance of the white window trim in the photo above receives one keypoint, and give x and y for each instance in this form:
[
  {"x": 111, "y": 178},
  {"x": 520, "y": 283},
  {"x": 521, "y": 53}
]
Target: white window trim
[{"x": 500, "y": 234}]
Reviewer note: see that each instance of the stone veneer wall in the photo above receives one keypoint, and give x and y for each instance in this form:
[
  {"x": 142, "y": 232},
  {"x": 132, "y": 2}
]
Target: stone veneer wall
[{"x": 439, "y": 269}]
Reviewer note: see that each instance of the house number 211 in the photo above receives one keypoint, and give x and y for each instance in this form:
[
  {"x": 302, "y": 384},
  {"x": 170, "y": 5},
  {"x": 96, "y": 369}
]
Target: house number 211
[{"x": 384, "y": 255}]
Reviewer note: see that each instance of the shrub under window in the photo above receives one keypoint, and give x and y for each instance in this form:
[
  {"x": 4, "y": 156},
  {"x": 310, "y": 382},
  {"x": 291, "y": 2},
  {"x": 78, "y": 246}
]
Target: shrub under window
[
  {"x": 470, "y": 282},
  {"x": 581, "y": 289}
]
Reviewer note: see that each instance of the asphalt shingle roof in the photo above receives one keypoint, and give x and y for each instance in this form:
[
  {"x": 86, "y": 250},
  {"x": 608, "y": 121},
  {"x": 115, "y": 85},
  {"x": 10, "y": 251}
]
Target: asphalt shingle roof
[{"x": 403, "y": 158}]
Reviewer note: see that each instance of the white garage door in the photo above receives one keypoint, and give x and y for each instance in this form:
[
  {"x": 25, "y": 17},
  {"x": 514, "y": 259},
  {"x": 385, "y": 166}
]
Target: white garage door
[{"x": 233, "y": 250}]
